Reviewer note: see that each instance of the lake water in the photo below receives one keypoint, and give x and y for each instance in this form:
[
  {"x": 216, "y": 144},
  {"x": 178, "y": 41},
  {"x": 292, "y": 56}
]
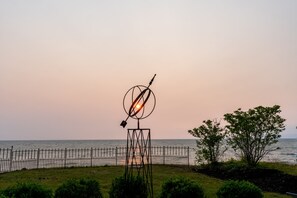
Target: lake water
[{"x": 287, "y": 151}]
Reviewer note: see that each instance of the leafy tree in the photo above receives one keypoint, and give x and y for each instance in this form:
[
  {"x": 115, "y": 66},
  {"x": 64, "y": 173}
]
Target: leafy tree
[
  {"x": 209, "y": 143},
  {"x": 253, "y": 131}
]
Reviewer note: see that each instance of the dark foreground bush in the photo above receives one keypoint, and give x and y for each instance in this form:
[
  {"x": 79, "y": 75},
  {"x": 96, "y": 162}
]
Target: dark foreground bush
[
  {"x": 133, "y": 187},
  {"x": 270, "y": 180},
  {"x": 180, "y": 187},
  {"x": 239, "y": 189},
  {"x": 83, "y": 188},
  {"x": 3, "y": 196},
  {"x": 27, "y": 190}
]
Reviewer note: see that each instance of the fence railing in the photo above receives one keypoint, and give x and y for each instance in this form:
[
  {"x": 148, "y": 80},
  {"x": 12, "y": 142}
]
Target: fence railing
[{"x": 11, "y": 160}]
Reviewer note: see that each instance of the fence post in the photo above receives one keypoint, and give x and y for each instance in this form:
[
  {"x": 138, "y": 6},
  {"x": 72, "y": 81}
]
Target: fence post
[
  {"x": 38, "y": 157},
  {"x": 116, "y": 155},
  {"x": 11, "y": 156},
  {"x": 91, "y": 156},
  {"x": 163, "y": 155},
  {"x": 65, "y": 157},
  {"x": 188, "y": 150}
]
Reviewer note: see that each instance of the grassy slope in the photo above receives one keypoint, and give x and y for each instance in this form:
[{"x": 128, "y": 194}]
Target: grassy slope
[
  {"x": 52, "y": 178},
  {"x": 289, "y": 169}
]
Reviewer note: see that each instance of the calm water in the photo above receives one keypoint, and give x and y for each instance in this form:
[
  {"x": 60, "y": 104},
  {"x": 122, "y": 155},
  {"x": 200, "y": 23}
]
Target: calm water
[{"x": 287, "y": 152}]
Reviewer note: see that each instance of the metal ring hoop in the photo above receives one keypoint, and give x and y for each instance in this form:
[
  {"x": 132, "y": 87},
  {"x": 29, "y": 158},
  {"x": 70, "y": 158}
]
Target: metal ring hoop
[{"x": 133, "y": 114}]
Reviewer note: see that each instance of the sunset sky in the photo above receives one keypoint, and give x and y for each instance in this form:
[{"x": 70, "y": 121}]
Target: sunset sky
[{"x": 65, "y": 65}]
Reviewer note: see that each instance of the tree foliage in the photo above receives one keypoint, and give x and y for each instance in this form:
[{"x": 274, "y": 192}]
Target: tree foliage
[
  {"x": 253, "y": 131},
  {"x": 209, "y": 143}
]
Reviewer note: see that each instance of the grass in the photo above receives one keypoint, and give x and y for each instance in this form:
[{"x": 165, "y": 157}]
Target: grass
[
  {"x": 52, "y": 178},
  {"x": 286, "y": 168}
]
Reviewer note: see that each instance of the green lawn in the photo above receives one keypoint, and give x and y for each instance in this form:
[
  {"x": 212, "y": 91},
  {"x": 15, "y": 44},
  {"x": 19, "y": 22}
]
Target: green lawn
[
  {"x": 286, "y": 168},
  {"x": 52, "y": 178}
]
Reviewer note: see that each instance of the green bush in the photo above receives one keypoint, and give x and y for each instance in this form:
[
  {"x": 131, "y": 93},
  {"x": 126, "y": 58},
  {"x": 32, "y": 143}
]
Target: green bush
[
  {"x": 239, "y": 189},
  {"x": 133, "y": 187},
  {"x": 180, "y": 187},
  {"x": 27, "y": 190},
  {"x": 2, "y": 196},
  {"x": 83, "y": 188}
]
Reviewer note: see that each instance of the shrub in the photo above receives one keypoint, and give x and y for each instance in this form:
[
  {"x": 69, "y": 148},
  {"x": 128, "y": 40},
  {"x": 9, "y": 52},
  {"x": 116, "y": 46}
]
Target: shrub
[
  {"x": 133, "y": 187},
  {"x": 3, "y": 196},
  {"x": 180, "y": 187},
  {"x": 27, "y": 190},
  {"x": 253, "y": 132},
  {"x": 210, "y": 140},
  {"x": 83, "y": 188},
  {"x": 239, "y": 189}
]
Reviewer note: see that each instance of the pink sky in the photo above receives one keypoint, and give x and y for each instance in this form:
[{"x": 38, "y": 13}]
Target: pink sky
[{"x": 66, "y": 65}]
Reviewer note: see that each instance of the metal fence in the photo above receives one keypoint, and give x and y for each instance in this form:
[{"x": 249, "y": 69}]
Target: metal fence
[{"x": 11, "y": 160}]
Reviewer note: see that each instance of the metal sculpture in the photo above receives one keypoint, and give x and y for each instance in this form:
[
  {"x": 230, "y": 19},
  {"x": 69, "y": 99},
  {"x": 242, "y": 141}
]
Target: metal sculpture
[{"x": 139, "y": 102}]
